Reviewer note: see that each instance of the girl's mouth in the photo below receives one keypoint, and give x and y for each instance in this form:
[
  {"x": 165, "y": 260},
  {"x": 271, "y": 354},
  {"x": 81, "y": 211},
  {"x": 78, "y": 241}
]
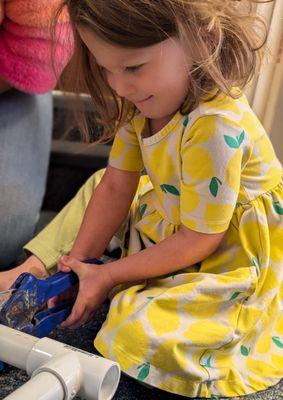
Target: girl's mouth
[{"x": 144, "y": 100}]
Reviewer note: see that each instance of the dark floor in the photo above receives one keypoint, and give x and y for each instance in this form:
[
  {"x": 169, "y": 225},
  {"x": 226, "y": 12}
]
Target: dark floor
[{"x": 68, "y": 176}]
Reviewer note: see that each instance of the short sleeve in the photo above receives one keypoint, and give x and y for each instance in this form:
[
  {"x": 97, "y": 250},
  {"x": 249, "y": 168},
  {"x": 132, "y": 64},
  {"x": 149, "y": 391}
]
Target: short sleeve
[
  {"x": 125, "y": 153},
  {"x": 211, "y": 163}
]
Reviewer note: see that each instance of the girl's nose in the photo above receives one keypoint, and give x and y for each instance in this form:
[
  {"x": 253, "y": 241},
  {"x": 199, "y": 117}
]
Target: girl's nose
[{"x": 121, "y": 84}]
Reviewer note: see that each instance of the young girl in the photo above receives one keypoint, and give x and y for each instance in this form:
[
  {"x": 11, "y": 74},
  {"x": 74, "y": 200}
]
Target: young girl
[{"x": 196, "y": 304}]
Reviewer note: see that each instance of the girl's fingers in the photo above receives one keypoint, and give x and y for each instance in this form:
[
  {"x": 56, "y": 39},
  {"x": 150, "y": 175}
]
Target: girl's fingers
[
  {"x": 79, "y": 309},
  {"x": 70, "y": 263},
  {"x": 62, "y": 267},
  {"x": 52, "y": 302},
  {"x": 84, "y": 305},
  {"x": 86, "y": 316}
]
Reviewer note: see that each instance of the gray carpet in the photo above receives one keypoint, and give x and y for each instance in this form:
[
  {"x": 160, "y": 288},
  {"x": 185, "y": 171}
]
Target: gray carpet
[{"x": 11, "y": 378}]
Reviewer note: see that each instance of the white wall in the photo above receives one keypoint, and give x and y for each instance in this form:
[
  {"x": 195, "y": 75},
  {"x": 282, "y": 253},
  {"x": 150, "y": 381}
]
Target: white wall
[{"x": 276, "y": 133}]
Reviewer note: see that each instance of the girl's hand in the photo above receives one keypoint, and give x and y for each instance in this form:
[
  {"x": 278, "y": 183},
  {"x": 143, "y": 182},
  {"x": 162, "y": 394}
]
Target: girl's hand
[{"x": 94, "y": 285}]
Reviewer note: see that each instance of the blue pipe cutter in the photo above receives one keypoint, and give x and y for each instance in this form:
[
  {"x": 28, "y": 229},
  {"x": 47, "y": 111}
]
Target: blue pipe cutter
[{"x": 24, "y": 309}]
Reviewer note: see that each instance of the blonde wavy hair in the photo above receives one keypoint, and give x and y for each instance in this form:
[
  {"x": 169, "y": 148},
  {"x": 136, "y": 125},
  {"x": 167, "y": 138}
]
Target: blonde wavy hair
[{"x": 225, "y": 40}]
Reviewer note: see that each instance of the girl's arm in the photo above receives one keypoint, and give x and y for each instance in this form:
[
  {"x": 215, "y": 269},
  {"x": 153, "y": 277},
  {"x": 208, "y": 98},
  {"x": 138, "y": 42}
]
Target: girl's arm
[
  {"x": 180, "y": 250},
  {"x": 106, "y": 211}
]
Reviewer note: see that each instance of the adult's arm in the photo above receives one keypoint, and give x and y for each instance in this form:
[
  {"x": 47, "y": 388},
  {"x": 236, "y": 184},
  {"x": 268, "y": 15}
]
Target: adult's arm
[{"x": 31, "y": 58}]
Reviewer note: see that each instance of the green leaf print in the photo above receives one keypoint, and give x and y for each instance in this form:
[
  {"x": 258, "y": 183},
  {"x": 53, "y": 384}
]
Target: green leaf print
[
  {"x": 143, "y": 207},
  {"x": 234, "y": 295},
  {"x": 150, "y": 297},
  {"x": 170, "y": 189},
  {"x": 245, "y": 350},
  {"x": 186, "y": 120},
  {"x": 214, "y": 186},
  {"x": 276, "y": 340},
  {"x": 231, "y": 142},
  {"x": 241, "y": 138},
  {"x": 144, "y": 371},
  {"x": 234, "y": 143},
  {"x": 207, "y": 362},
  {"x": 278, "y": 208},
  {"x": 214, "y": 397}
]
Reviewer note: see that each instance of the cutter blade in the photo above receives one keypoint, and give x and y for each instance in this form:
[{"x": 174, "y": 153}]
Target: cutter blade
[{"x": 5, "y": 296}]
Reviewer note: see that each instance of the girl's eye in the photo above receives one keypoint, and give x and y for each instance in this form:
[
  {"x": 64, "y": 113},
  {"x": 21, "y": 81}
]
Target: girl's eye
[{"x": 134, "y": 68}]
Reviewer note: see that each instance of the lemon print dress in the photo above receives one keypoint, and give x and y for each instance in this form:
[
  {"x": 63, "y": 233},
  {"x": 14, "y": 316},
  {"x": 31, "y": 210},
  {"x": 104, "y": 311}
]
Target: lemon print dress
[{"x": 216, "y": 328}]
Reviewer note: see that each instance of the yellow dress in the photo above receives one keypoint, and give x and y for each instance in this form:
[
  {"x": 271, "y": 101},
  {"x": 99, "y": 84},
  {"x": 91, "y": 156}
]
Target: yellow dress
[{"x": 214, "y": 329}]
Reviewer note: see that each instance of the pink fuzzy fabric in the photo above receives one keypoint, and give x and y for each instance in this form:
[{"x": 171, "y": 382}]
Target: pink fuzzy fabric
[
  {"x": 29, "y": 60},
  {"x": 35, "y": 13}
]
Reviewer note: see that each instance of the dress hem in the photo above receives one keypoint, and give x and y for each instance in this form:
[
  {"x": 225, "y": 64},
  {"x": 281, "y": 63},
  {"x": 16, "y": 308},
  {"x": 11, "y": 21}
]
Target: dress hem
[{"x": 199, "y": 389}]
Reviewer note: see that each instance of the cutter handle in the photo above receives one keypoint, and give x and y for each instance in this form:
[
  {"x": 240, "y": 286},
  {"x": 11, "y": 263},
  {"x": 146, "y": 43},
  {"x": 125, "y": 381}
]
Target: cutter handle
[
  {"x": 62, "y": 281},
  {"x": 48, "y": 319}
]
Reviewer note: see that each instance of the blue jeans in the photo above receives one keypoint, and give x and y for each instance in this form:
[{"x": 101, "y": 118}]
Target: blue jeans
[{"x": 25, "y": 137}]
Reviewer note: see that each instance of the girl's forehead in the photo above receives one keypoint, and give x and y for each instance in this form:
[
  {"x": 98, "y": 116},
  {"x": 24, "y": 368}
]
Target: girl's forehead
[{"x": 105, "y": 52}]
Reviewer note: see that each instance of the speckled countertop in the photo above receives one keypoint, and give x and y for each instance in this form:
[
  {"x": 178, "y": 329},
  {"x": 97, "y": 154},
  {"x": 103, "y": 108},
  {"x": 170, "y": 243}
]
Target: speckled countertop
[{"x": 11, "y": 378}]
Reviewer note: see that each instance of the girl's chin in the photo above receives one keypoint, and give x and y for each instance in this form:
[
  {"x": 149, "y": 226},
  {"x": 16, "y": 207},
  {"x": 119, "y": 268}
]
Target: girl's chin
[{"x": 153, "y": 113}]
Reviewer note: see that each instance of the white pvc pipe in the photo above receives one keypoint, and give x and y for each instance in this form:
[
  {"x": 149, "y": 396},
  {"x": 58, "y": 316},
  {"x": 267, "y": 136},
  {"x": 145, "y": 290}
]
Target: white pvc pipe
[
  {"x": 15, "y": 346},
  {"x": 50, "y": 386},
  {"x": 79, "y": 372}
]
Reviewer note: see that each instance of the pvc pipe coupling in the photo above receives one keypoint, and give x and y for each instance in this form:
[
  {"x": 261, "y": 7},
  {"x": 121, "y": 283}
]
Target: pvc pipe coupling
[{"x": 69, "y": 371}]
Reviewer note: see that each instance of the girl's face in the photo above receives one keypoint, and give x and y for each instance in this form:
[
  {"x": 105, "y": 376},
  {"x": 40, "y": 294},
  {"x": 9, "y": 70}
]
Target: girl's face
[{"x": 154, "y": 78}]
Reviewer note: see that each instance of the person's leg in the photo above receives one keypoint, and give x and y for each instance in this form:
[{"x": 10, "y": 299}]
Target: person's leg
[
  {"x": 25, "y": 137},
  {"x": 58, "y": 236},
  {"x": 55, "y": 239}
]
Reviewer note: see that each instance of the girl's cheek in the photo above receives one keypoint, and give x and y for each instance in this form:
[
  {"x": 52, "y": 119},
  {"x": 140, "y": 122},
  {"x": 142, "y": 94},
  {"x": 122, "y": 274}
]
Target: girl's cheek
[
  {"x": 149, "y": 84},
  {"x": 109, "y": 78}
]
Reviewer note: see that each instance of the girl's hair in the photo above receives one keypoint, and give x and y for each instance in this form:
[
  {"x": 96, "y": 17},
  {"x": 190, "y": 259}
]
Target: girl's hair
[{"x": 224, "y": 39}]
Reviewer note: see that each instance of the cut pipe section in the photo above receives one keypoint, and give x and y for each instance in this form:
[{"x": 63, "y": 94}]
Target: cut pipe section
[{"x": 76, "y": 371}]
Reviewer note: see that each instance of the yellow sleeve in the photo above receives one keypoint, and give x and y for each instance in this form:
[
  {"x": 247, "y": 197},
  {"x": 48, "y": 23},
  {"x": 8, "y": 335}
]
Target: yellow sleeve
[
  {"x": 211, "y": 157},
  {"x": 125, "y": 153}
]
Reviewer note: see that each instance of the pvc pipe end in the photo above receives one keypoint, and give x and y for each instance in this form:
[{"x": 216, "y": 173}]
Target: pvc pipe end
[{"x": 110, "y": 383}]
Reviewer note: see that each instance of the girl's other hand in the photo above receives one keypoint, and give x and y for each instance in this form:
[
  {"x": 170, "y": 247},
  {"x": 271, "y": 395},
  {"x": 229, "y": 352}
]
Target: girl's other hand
[
  {"x": 94, "y": 285},
  {"x": 64, "y": 297}
]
